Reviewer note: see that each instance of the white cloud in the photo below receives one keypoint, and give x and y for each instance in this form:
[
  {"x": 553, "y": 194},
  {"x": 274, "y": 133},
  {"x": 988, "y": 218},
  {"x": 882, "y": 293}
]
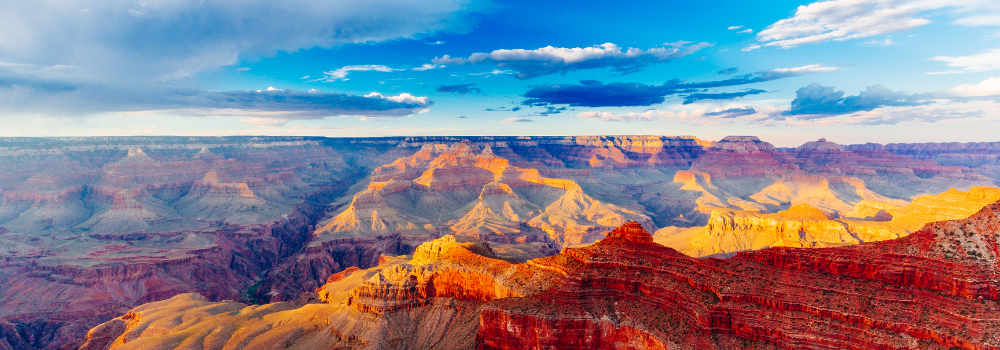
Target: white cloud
[
  {"x": 851, "y": 19},
  {"x": 550, "y": 60},
  {"x": 715, "y": 116},
  {"x": 982, "y": 62},
  {"x": 812, "y": 68},
  {"x": 401, "y": 98},
  {"x": 747, "y": 31},
  {"x": 341, "y": 73},
  {"x": 988, "y": 87},
  {"x": 517, "y": 120},
  {"x": 886, "y": 42},
  {"x": 734, "y": 27},
  {"x": 974, "y": 111},
  {"x": 841, "y": 20},
  {"x": 136, "y": 42},
  {"x": 751, "y": 48},
  {"x": 679, "y": 43},
  {"x": 428, "y": 66},
  {"x": 613, "y": 117}
]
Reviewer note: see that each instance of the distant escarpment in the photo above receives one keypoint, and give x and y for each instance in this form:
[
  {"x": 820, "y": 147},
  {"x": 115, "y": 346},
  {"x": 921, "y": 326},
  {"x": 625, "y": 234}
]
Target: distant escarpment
[{"x": 97, "y": 229}]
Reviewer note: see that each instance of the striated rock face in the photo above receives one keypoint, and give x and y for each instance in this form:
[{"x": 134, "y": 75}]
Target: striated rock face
[
  {"x": 445, "y": 268},
  {"x": 935, "y": 289},
  {"x": 918, "y": 292},
  {"x": 431, "y": 301}
]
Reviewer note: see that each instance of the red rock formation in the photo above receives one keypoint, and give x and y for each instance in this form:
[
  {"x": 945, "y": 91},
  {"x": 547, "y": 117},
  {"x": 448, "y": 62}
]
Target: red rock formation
[{"x": 936, "y": 289}]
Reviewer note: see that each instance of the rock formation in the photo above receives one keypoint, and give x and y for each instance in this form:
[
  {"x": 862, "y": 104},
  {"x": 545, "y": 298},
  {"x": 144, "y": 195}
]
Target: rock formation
[
  {"x": 935, "y": 289},
  {"x": 731, "y": 231},
  {"x": 461, "y": 189}
]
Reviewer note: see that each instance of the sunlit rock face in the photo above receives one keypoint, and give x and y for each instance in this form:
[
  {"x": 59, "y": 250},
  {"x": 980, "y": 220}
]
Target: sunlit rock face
[
  {"x": 91, "y": 227},
  {"x": 935, "y": 289},
  {"x": 904, "y": 294},
  {"x": 467, "y": 190},
  {"x": 732, "y": 231}
]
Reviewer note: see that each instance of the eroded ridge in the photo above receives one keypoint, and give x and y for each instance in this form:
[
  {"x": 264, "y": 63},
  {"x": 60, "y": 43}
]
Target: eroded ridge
[{"x": 935, "y": 289}]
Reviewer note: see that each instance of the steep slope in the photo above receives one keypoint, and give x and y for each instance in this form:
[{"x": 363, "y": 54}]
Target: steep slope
[{"x": 917, "y": 292}]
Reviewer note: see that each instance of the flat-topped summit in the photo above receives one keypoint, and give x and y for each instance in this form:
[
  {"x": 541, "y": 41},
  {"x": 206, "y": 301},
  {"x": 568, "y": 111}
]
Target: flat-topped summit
[
  {"x": 743, "y": 144},
  {"x": 820, "y": 145}
]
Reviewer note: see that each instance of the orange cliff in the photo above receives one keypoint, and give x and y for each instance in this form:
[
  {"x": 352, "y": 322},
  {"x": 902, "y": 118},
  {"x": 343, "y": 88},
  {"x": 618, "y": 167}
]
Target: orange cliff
[{"x": 730, "y": 231}]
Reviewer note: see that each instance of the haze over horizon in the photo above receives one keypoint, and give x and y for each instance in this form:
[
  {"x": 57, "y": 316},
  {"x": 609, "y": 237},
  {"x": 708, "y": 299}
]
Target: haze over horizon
[{"x": 852, "y": 71}]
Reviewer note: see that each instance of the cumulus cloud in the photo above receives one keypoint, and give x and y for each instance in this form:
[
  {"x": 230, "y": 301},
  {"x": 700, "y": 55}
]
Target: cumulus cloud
[
  {"x": 981, "y": 62},
  {"x": 746, "y": 31},
  {"x": 734, "y": 27},
  {"x": 527, "y": 64},
  {"x": 461, "y": 89},
  {"x": 986, "y": 88},
  {"x": 592, "y": 93},
  {"x": 821, "y": 100},
  {"x": 851, "y": 19},
  {"x": 751, "y": 48}
]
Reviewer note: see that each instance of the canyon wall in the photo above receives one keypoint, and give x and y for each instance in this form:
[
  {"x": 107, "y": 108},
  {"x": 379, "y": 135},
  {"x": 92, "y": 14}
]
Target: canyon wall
[{"x": 91, "y": 227}]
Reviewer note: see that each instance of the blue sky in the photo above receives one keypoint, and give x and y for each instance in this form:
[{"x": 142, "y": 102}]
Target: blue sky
[{"x": 852, "y": 71}]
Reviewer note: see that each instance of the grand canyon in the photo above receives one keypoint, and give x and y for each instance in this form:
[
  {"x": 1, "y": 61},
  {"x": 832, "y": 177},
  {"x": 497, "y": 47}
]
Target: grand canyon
[{"x": 582, "y": 242}]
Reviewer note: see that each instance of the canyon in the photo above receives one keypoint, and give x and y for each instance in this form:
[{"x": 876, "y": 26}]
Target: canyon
[
  {"x": 934, "y": 289},
  {"x": 91, "y": 228}
]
